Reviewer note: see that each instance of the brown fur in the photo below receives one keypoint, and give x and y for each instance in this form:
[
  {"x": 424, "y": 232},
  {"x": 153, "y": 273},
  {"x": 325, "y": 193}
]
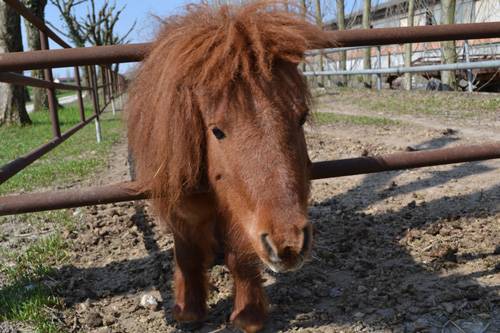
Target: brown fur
[{"x": 234, "y": 67}]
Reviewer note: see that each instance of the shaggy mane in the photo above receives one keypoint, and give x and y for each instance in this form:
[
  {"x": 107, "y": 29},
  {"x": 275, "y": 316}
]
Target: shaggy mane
[{"x": 199, "y": 58}]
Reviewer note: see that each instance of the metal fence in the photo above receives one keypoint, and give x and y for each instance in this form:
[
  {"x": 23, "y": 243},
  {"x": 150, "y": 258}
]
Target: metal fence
[
  {"x": 106, "y": 92},
  {"x": 332, "y": 65},
  {"x": 106, "y": 55}
]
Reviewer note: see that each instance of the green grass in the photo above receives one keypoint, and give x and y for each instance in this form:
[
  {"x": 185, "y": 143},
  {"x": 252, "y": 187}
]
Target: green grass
[
  {"x": 25, "y": 297},
  {"x": 29, "y": 303},
  {"x": 459, "y": 104},
  {"x": 62, "y": 93},
  {"x": 325, "y": 118},
  {"x": 76, "y": 158},
  {"x": 34, "y": 262},
  {"x": 24, "y": 294},
  {"x": 59, "y": 93}
]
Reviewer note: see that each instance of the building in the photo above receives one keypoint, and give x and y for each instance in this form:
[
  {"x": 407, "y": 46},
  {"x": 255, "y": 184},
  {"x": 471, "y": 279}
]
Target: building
[{"x": 393, "y": 13}]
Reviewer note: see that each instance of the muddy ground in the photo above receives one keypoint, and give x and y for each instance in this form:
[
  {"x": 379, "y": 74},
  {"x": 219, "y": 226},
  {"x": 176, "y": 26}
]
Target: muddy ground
[{"x": 402, "y": 251}]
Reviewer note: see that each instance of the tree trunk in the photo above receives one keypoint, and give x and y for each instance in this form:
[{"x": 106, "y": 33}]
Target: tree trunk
[
  {"x": 27, "y": 96},
  {"x": 287, "y": 5},
  {"x": 102, "y": 78},
  {"x": 304, "y": 8},
  {"x": 408, "y": 50},
  {"x": 12, "y": 99},
  {"x": 319, "y": 23},
  {"x": 367, "y": 56},
  {"x": 40, "y": 98},
  {"x": 341, "y": 26},
  {"x": 304, "y": 14},
  {"x": 448, "y": 51}
]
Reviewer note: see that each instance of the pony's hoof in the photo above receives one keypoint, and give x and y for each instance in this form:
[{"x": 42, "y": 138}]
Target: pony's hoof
[
  {"x": 250, "y": 320},
  {"x": 185, "y": 315}
]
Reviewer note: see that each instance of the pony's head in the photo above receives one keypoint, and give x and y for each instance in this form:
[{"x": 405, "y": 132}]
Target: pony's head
[{"x": 220, "y": 99}]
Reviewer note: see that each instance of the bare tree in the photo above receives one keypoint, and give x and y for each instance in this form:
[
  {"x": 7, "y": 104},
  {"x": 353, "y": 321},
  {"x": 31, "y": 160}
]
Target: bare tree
[
  {"x": 96, "y": 27},
  {"x": 303, "y": 4},
  {"x": 101, "y": 24},
  {"x": 341, "y": 26},
  {"x": 12, "y": 99},
  {"x": 319, "y": 23},
  {"x": 449, "y": 53},
  {"x": 408, "y": 47},
  {"x": 73, "y": 27},
  {"x": 367, "y": 55},
  {"x": 39, "y": 95}
]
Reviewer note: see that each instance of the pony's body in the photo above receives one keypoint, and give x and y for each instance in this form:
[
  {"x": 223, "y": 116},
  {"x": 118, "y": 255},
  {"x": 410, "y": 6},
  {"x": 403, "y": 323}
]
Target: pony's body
[{"x": 219, "y": 105}]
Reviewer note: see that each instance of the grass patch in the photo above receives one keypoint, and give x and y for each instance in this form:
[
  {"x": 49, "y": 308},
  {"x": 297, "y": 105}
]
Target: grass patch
[
  {"x": 458, "y": 104},
  {"x": 76, "y": 158},
  {"x": 25, "y": 292},
  {"x": 325, "y": 118},
  {"x": 36, "y": 262},
  {"x": 29, "y": 303},
  {"x": 63, "y": 93},
  {"x": 25, "y": 297},
  {"x": 59, "y": 93}
]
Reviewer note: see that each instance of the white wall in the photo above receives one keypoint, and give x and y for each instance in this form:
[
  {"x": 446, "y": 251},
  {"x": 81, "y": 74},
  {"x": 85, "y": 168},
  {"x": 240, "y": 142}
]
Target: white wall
[{"x": 487, "y": 10}]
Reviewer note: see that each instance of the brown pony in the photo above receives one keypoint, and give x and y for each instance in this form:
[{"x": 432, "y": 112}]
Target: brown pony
[{"x": 219, "y": 105}]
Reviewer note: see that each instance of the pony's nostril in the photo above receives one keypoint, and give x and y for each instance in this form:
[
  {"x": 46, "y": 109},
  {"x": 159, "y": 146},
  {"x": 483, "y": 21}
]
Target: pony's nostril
[
  {"x": 269, "y": 247},
  {"x": 306, "y": 243},
  {"x": 287, "y": 254}
]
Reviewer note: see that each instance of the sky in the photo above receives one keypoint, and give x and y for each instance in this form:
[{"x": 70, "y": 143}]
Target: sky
[
  {"x": 143, "y": 11},
  {"x": 140, "y": 10}
]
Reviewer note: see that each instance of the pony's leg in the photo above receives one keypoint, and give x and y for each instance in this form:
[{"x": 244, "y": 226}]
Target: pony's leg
[
  {"x": 190, "y": 282},
  {"x": 193, "y": 251},
  {"x": 250, "y": 302}
]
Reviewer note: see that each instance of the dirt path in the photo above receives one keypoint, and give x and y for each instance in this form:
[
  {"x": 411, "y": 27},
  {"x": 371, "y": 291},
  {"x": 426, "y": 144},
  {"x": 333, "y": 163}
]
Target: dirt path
[
  {"x": 394, "y": 252},
  {"x": 481, "y": 126}
]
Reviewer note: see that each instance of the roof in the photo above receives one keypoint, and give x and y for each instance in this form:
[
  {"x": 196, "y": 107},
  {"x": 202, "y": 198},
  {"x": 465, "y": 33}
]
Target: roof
[{"x": 380, "y": 10}]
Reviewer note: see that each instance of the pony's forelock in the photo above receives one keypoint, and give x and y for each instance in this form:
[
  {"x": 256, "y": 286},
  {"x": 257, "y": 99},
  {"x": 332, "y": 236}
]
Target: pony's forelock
[{"x": 197, "y": 58}]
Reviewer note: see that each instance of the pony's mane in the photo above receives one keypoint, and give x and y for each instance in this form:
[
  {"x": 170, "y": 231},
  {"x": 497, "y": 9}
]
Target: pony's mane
[{"x": 197, "y": 59}]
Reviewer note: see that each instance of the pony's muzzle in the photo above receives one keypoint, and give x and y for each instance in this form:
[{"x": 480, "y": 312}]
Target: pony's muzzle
[{"x": 290, "y": 255}]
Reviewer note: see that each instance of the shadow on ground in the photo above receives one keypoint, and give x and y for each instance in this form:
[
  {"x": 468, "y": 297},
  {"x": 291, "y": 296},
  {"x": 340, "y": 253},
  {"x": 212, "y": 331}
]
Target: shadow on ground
[{"x": 405, "y": 269}]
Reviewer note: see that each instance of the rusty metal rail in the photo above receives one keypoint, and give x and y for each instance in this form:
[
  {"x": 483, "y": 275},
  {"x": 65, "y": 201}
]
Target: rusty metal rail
[
  {"x": 35, "y": 202},
  {"x": 418, "y": 34},
  {"x": 109, "y": 85},
  {"x": 357, "y": 37},
  {"x": 18, "y": 79},
  {"x": 16, "y": 61},
  {"x": 10, "y": 169}
]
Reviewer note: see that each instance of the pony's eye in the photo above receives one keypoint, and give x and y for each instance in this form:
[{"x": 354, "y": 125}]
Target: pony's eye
[
  {"x": 303, "y": 119},
  {"x": 218, "y": 133}
]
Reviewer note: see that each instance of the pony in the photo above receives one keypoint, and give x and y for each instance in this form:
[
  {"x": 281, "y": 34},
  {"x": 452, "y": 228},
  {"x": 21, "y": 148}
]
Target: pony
[{"x": 215, "y": 126}]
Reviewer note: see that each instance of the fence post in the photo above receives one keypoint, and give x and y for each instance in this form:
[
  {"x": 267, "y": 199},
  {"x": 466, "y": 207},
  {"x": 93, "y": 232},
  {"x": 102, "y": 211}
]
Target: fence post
[
  {"x": 121, "y": 89},
  {"x": 51, "y": 94},
  {"x": 104, "y": 85},
  {"x": 379, "y": 75},
  {"x": 79, "y": 94},
  {"x": 470, "y": 86},
  {"x": 95, "y": 101},
  {"x": 111, "y": 89}
]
